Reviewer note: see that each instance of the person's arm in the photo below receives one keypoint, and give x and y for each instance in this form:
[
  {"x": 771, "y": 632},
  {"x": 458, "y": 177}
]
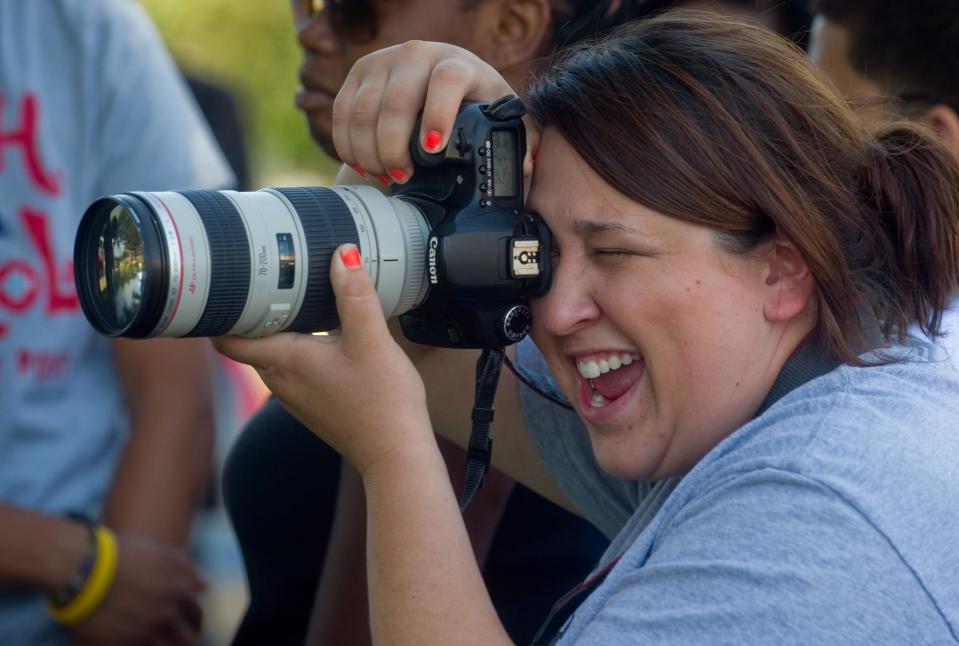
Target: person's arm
[
  {"x": 165, "y": 468},
  {"x": 38, "y": 551},
  {"x": 161, "y": 477},
  {"x": 424, "y": 584}
]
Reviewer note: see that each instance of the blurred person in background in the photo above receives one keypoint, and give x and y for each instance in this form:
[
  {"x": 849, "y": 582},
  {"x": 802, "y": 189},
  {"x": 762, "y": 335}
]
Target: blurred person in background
[
  {"x": 105, "y": 445},
  {"x": 280, "y": 482},
  {"x": 901, "y": 61}
]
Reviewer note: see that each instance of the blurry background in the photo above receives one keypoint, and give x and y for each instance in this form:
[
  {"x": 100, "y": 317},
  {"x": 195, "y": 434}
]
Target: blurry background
[{"x": 248, "y": 49}]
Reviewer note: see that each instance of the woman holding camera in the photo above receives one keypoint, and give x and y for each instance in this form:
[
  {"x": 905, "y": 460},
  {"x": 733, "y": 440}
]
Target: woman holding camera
[{"x": 736, "y": 265}]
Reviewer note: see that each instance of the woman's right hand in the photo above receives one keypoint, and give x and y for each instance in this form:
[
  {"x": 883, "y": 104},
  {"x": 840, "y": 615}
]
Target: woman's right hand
[{"x": 376, "y": 109}]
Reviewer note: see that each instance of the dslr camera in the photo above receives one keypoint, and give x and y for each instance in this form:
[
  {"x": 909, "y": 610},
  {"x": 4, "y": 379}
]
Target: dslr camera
[{"x": 452, "y": 252}]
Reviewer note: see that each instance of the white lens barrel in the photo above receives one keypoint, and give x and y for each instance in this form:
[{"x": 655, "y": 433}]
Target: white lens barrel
[
  {"x": 391, "y": 234},
  {"x": 269, "y": 308}
]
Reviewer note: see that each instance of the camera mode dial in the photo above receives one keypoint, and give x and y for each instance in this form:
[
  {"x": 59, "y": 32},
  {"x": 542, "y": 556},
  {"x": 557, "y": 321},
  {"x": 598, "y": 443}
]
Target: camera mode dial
[{"x": 515, "y": 323}]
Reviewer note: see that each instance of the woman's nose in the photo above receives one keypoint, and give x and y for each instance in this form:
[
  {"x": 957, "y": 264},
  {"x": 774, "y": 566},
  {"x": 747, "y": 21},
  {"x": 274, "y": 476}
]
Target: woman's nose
[{"x": 569, "y": 305}]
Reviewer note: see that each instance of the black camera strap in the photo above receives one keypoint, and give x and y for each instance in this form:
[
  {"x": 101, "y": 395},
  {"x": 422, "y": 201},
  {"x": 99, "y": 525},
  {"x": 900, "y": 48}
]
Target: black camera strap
[{"x": 480, "y": 443}]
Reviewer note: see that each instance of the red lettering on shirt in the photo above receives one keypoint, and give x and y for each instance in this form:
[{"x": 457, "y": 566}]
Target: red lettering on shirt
[
  {"x": 28, "y": 285},
  {"x": 42, "y": 365},
  {"x": 26, "y": 138},
  {"x": 34, "y": 279},
  {"x": 37, "y": 225}
]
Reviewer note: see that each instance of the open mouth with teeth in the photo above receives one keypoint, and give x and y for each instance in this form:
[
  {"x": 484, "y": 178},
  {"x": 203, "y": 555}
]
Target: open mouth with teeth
[{"x": 608, "y": 377}]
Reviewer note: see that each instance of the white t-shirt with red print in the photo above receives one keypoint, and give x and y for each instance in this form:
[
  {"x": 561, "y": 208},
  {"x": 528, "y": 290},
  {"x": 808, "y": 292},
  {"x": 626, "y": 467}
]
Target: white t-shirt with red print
[{"x": 90, "y": 104}]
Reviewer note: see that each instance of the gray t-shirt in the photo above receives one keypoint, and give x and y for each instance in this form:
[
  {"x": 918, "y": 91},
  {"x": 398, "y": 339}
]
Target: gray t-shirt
[
  {"x": 949, "y": 340},
  {"x": 832, "y": 518},
  {"x": 90, "y": 104}
]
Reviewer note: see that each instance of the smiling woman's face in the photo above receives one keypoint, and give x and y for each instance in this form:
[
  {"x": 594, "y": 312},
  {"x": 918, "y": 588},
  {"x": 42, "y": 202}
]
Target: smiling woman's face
[{"x": 677, "y": 322}]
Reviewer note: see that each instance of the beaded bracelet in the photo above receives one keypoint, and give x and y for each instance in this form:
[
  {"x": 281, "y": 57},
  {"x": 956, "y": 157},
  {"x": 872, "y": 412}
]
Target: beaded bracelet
[
  {"x": 97, "y": 584},
  {"x": 68, "y": 592}
]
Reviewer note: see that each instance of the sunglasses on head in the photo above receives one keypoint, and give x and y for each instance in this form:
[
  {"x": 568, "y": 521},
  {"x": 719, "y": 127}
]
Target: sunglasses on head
[{"x": 351, "y": 20}]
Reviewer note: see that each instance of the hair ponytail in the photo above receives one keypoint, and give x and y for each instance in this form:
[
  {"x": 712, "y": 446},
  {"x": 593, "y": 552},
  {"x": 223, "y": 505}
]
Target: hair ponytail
[{"x": 910, "y": 182}]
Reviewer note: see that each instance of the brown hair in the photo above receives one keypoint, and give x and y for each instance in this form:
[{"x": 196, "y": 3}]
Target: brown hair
[
  {"x": 910, "y": 48},
  {"x": 728, "y": 126}
]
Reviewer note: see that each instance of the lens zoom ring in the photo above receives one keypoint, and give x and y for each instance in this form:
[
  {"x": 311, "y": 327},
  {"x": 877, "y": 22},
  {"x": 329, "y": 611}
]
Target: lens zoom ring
[
  {"x": 230, "y": 262},
  {"x": 327, "y": 223}
]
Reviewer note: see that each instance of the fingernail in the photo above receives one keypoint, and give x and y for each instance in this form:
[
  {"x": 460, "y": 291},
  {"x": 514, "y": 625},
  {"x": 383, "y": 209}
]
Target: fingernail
[
  {"x": 359, "y": 169},
  {"x": 384, "y": 179},
  {"x": 351, "y": 257},
  {"x": 432, "y": 140},
  {"x": 398, "y": 174}
]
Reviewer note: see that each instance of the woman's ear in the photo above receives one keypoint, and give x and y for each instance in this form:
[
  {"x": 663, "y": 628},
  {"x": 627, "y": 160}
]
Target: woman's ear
[
  {"x": 513, "y": 33},
  {"x": 789, "y": 283},
  {"x": 946, "y": 122}
]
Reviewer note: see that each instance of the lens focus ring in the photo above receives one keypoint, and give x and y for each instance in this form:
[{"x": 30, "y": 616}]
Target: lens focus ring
[{"x": 230, "y": 265}]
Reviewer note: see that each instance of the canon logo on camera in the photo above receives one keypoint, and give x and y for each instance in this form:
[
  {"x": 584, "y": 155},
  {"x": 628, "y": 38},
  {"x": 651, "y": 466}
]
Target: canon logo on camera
[{"x": 434, "y": 242}]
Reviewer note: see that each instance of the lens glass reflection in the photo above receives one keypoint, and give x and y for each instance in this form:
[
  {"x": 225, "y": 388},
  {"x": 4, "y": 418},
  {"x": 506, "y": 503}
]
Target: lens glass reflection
[{"x": 119, "y": 282}]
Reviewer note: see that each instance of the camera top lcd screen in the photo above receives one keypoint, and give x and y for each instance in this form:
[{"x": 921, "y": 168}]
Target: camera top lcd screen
[{"x": 503, "y": 144}]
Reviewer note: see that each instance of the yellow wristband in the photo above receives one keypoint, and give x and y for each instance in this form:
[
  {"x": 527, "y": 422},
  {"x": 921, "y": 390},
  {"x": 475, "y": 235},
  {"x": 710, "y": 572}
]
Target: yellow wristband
[{"x": 97, "y": 585}]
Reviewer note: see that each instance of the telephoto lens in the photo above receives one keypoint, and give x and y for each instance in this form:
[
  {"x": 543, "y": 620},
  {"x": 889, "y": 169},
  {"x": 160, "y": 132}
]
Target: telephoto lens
[
  {"x": 210, "y": 263},
  {"x": 452, "y": 252}
]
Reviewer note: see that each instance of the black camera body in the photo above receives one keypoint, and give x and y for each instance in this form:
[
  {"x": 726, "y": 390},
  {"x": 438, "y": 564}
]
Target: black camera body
[{"x": 485, "y": 255}]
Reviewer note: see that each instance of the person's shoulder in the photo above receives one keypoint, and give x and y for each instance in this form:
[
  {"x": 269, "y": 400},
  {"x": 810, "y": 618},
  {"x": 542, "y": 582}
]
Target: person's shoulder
[
  {"x": 882, "y": 438},
  {"x": 859, "y": 409},
  {"x": 879, "y": 442}
]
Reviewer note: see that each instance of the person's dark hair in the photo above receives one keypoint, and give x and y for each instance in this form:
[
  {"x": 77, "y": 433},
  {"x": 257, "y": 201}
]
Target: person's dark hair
[
  {"x": 727, "y": 126},
  {"x": 911, "y": 48}
]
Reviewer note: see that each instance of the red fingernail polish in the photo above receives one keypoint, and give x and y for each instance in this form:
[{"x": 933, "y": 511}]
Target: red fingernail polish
[
  {"x": 384, "y": 179},
  {"x": 398, "y": 174},
  {"x": 359, "y": 169},
  {"x": 432, "y": 140},
  {"x": 351, "y": 257}
]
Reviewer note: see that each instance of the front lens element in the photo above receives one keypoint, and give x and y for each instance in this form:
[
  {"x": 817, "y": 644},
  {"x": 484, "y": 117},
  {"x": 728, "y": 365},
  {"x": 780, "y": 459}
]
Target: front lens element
[{"x": 120, "y": 267}]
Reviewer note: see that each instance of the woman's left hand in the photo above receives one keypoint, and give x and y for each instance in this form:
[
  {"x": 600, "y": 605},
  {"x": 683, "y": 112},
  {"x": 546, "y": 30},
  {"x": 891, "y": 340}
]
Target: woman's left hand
[{"x": 355, "y": 389}]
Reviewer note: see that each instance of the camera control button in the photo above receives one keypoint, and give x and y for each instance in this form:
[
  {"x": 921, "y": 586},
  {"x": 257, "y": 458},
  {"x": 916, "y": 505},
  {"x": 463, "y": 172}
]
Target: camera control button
[
  {"x": 482, "y": 169},
  {"x": 483, "y": 203},
  {"x": 483, "y": 188},
  {"x": 515, "y": 323}
]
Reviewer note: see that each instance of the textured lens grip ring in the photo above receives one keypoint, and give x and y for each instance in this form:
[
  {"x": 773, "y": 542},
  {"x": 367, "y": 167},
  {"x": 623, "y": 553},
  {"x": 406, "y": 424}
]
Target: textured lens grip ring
[
  {"x": 327, "y": 223},
  {"x": 230, "y": 264}
]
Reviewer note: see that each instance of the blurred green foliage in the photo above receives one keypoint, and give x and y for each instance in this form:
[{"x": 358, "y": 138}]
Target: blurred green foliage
[{"x": 250, "y": 48}]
